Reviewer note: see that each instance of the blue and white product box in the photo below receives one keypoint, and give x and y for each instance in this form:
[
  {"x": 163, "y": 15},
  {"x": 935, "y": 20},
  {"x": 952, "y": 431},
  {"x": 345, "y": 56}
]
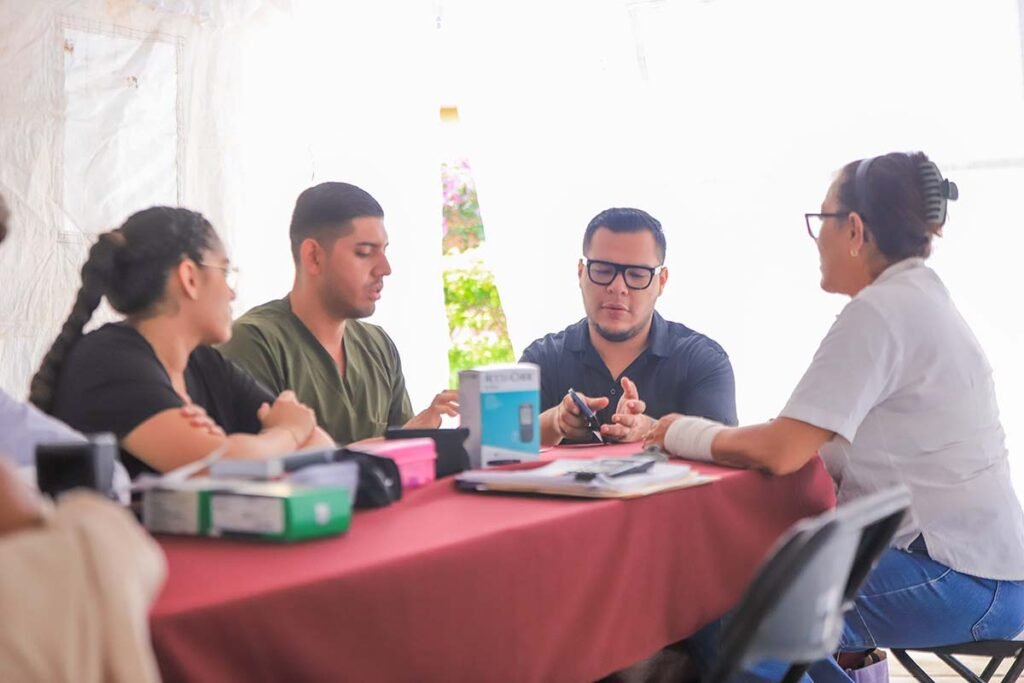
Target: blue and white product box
[{"x": 500, "y": 404}]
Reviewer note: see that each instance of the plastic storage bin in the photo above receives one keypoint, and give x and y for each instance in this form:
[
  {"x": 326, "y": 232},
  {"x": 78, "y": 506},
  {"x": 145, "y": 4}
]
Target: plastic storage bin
[{"x": 415, "y": 458}]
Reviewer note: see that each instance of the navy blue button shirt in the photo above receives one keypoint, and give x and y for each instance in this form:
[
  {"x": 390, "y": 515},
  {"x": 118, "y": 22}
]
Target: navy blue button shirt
[{"x": 680, "y": 371}]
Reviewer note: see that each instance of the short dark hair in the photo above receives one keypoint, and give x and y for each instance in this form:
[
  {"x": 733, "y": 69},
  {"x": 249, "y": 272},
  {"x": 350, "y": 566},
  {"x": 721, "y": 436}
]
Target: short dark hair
[
  {"x": 323, "y": 212},
  {"x": 889, "y": 194},
  {"x": 626, "y": 220}
]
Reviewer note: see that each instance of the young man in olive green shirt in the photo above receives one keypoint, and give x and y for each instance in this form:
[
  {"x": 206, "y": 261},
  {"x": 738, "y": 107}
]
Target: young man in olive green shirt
[{"x": 313, "y": 342}]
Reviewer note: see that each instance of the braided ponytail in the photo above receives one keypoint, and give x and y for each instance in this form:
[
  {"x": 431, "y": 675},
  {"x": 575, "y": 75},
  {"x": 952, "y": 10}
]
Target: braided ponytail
[
  {"x": 97, "y": 273},
  {"x": 129, "y": 266}
]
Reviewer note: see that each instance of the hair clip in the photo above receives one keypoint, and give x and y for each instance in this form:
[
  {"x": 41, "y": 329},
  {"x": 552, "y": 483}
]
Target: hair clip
[{"x": 937, "y": 192}]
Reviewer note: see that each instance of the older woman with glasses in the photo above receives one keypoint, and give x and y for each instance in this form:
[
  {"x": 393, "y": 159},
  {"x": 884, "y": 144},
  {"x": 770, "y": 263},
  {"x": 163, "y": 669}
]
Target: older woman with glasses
[{"x": 899, "y": 392}]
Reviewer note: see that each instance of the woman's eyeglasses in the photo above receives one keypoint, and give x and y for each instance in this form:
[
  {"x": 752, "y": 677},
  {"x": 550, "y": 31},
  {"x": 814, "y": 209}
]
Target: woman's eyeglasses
[
  {"x": 816, "y": 220},
  {"x": 231, "y": 273}
]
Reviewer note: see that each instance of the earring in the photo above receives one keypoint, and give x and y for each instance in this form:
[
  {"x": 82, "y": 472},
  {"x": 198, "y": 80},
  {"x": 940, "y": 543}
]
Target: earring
[{"x": 853, "y": 253}]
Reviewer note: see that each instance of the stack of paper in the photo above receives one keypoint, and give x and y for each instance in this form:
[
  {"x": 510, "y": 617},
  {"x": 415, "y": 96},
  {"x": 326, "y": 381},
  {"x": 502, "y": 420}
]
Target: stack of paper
[{"x": 561, "y": 478}]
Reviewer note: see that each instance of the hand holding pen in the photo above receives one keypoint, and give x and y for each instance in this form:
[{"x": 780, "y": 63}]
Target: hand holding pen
[{"x": 576, "y": 417}]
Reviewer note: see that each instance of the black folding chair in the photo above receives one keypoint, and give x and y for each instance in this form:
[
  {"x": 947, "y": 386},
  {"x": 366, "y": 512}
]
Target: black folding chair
[
  {"x": 995, "y": 650},
  {"x": 793, "y": 609}
]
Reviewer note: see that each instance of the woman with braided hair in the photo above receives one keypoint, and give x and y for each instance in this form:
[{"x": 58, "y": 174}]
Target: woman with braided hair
[
  {"x": 899, "y": 392},
  {"x": 167, "y": 272},
  {"x": 84, "y": 557}
]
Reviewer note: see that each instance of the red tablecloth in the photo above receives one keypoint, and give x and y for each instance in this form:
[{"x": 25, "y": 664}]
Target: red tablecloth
[{"x": 451, "y": 586}]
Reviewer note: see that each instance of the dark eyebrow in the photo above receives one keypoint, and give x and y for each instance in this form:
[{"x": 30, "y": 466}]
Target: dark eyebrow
[{"x": 626, "y": 265}]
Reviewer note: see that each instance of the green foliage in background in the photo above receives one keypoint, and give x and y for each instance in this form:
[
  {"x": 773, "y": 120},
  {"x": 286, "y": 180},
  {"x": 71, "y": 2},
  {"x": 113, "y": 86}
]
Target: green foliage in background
[
  {"x": 476, "y": 321},
  {"x": 463, "y": 227}
]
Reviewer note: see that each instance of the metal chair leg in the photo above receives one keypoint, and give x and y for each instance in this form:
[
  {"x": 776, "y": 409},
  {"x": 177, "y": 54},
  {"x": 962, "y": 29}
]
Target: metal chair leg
[
  {"x": 991, "y": 668},
  {"x": 955, "y": 664},
  {"x": 1015, "y": 669},
  {"x": 911, "y": 666}
]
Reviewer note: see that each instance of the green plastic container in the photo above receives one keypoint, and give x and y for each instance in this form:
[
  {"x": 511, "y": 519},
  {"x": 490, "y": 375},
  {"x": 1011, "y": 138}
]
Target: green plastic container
[{"x": 269, "y": 511}]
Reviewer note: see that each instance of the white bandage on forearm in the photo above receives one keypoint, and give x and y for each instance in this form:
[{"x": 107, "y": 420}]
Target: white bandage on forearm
[{"x": 691, "y": 437}]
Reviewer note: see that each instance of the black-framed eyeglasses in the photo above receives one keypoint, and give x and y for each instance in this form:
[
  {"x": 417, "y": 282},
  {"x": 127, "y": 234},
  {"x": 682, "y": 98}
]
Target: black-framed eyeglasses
[
  {"x": 816, "y": 220},
  {"x": 636, "y": 277},
  {"x": 231, "y": 273}
]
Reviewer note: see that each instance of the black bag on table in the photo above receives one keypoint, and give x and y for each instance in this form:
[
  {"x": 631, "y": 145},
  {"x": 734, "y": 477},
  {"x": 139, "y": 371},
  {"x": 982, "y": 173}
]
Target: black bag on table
[{"x": 380, "y": 483}]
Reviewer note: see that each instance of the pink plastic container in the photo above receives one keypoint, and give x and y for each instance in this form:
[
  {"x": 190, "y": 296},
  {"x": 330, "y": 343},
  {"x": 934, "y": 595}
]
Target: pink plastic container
[{"x": 415, "y": 458}]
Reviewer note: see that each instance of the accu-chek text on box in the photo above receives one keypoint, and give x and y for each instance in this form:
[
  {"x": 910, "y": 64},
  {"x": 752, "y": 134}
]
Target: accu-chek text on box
[{"x": 500, "y": 404}]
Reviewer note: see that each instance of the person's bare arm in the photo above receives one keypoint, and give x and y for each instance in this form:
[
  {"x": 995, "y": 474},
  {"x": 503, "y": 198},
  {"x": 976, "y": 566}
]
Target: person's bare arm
[
  {"x": 781, "y": 446},
  {"x": 319, "y": 438},
  {"x": 169, "y": 439}
]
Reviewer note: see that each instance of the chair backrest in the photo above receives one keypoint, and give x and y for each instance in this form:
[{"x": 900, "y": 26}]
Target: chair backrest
[
  {"x": 791, "y": 554},
  {"x": 878, "y": 516},
  {"x": 793, "y": 609}
]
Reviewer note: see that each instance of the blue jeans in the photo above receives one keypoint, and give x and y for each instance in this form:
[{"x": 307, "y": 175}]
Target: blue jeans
[{"x": 909, "y": 600}]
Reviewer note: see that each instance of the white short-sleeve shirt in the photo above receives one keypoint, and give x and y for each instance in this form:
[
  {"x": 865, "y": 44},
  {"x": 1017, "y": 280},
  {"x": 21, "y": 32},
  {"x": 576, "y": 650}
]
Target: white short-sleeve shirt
[{"x": 908, "y": 391}]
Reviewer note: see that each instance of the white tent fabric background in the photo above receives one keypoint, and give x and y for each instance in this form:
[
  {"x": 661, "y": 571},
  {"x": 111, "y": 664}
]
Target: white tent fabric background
[
  {"x": 723, "y": 118},
  {"x": 230, "y": 108}
]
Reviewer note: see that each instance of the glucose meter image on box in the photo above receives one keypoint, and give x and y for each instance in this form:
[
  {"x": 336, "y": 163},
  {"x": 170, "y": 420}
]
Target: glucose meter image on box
[{"x": 526, "y": 422}]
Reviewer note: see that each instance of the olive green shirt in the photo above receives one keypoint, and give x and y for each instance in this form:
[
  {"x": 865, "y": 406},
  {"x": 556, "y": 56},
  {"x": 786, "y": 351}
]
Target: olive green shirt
[{"x": 279, "y": 350}]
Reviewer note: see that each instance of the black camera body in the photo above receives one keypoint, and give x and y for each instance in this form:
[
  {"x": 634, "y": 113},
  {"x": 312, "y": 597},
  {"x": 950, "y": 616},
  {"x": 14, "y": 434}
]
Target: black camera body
[{"x": 89, "y": 464}]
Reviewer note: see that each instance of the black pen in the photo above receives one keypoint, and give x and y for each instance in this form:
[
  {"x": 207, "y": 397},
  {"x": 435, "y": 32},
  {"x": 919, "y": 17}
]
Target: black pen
[
  {"x": 633, "y": 468},
  {"x": 593, "y": 424},
  {"x": 639, "y": 466}
]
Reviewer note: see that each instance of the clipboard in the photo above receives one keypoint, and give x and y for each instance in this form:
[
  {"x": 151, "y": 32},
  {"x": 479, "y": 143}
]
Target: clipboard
[{"x": 559, "y": 478}]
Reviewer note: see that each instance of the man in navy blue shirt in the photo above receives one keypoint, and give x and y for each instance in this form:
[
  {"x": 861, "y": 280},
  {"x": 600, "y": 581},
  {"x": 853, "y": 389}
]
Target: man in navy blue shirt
[{"x": 630, "y": 365}]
